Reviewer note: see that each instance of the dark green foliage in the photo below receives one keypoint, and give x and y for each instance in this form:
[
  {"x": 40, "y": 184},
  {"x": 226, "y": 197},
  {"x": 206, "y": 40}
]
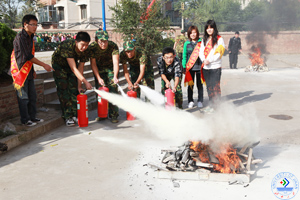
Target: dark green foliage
[
  {"x": 277, "y": 15},
  {"x": 167, "y": 42},
  {"x": 131, "y": 19},
  {"x": 6, "y": 133},
  {"x": 6, "y": 46}
]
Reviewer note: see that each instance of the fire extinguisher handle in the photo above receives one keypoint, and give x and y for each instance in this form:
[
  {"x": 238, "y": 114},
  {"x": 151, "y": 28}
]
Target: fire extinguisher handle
[{"x": 82, "y": 91}]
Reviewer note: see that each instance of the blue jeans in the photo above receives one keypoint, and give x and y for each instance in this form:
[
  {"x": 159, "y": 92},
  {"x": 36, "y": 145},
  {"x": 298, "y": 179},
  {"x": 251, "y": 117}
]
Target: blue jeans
[{"x": 27, "y": 101}]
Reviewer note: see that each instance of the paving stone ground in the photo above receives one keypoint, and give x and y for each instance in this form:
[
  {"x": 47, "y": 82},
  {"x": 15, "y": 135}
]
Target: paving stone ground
[{"x": 107, "y": 161}]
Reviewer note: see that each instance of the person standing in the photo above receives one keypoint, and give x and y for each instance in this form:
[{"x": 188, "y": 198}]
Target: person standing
[
  {"x": 55, "y": 38},
  {"x": 192, "y": 66},
  {"x": 178, "y": 45},
  {"x": 68, "y": 61},
  {"x": 140, "y": 67},
  {"x": 170, "y": 69},
  {"x": 104, "y": 57},
  {"x": 211, "y": 52},
  {"x": 22, "y": 70},
  {"x": 233, "y": 48}
]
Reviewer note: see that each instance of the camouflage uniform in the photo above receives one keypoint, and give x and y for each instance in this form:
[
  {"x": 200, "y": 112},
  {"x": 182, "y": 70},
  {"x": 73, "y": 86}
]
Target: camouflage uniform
[
  {"x": 179, "y": 46},
  {"x": 171, "y": 72},
  {"x": 65, "y": 79},
  {"x": 104, "y": 62},
  {"x": 140, "y": 58}
]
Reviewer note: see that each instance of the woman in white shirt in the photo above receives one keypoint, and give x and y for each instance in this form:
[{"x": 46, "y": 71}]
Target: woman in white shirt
[{"x": 211, "y": 52}]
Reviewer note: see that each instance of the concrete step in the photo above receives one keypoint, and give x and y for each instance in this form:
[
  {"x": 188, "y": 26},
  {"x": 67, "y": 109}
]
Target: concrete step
[
  {"x": 88, "y": 73},
  {"x": 50, "y": 83},
  {"x": 92, "y": 96},
  {"x": 43, "y": 74},
  {"x": 92, "y": 101},
  {"x": 51, "y": 94}
]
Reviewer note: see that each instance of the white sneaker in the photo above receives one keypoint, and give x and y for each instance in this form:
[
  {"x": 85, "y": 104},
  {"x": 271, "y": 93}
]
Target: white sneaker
[
  {"x": 200, "y": 105},
  {"x": 208, "y": 110},
  {"x": 30, "y": 123},
  {"x": 37, "y": 120},
  {"x": 70, "y": 122},
  {"x": 191, "y": 104},
  {"x": 75, "y": 119}
]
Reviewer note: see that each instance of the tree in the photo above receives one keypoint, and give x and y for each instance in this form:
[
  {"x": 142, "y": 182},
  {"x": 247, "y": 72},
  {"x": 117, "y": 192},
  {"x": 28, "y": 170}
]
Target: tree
[
  {"x": 134, "y": 21},
  {"x": 226, "y": 12},
  {"x": 12, "y": 11},
  {"x": 6, "y": 46}
]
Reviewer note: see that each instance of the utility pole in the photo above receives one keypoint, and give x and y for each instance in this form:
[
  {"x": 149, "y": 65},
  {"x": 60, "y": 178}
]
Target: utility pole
[
  {"x": 103, "y": 15},
  {"x": 182, "y": 20}
]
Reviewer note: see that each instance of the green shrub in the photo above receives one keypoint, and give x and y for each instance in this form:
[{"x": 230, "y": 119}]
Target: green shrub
[
  {"x": 167, "y": 42},
  {"x": 6, "y": 46}
]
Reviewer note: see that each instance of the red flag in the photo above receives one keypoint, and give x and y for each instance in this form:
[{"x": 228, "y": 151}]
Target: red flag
[{"x": 145, "y": 16}]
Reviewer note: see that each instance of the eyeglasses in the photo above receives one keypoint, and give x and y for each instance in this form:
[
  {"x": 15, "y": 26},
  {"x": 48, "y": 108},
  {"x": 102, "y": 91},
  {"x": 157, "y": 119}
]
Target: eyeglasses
[
  {"x": 34, "y": 25},
  {"x": 168, "y": 58}
]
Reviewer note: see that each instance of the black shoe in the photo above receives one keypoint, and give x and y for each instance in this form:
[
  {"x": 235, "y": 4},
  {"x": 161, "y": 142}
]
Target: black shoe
[
  {"x": 100, "y": 119},
  {"x": 37, "y": 120},
  {"x": 114, "y": 120},
  {"x": 30, "y": 123}
]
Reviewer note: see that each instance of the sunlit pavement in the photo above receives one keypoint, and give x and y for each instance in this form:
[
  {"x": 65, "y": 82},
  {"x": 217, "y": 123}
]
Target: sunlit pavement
[{"x": 107, "y": 161}]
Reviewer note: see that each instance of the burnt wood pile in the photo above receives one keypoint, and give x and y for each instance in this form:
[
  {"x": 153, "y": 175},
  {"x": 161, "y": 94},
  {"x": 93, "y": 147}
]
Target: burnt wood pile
[{"x": 193, "y": 156}]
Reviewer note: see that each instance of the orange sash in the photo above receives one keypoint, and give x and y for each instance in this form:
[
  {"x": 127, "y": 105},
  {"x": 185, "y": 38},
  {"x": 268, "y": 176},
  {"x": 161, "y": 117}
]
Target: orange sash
[
  {"x": 19, "y": 76},
  {"x": 207, "y": 50},
  {"x": 188, "y": 80}
]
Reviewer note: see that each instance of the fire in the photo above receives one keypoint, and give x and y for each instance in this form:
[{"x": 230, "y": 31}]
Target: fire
[
  {"x": 229, "y": 162},
  {"x": 256, "y": 58}
]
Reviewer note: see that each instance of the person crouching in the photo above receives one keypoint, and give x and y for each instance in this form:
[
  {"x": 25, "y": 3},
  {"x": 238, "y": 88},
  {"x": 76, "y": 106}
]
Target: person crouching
[{"x": 170, "y": 68}]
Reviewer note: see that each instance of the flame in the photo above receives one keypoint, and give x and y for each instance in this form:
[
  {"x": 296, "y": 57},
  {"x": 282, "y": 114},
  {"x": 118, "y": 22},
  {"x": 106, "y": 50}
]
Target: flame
[
  {"x": 256, "y": 58},
  {"x": 228, "y": 159}
]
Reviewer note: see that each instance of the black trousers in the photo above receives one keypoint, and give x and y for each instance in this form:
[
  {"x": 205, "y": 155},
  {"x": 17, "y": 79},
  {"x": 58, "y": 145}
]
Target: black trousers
[
  {"x": 233, "y": 59},
  {"x": 27, "y": 101},
  {"x": 199, "y": 86},
  {"x": 212, "y": 78},
  {"x": 179, "y": 55}
]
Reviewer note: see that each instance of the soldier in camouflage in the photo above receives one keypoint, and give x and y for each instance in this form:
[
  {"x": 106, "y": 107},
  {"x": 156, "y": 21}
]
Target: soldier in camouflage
[
  {"x": 104, "y": 56},
  {"x": 140, "y": 67},
  {"x": 178, "y": 45},
  {"x": 68, "y": 62},
  {"x": 170, "y": 68}
]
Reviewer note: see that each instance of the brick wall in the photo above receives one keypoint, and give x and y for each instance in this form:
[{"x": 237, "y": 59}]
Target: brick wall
[
  {"x": 282, "y": 42},
  {"x": 8, "y": 100}
]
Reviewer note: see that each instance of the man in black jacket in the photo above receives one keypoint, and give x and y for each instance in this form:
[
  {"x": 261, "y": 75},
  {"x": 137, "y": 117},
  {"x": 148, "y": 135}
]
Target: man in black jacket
[{"x": 233, "y": 48}]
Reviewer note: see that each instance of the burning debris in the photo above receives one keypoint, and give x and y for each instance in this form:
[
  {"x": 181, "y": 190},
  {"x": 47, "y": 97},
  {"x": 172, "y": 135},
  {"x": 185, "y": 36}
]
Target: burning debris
[
  {"x": 232, "y": 164},
  {"x": 257, "y": 62}
]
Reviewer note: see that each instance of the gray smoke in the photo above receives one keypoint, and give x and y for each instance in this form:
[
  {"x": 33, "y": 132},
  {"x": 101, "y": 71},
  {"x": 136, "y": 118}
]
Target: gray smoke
[{"x": 230, "y": 124}]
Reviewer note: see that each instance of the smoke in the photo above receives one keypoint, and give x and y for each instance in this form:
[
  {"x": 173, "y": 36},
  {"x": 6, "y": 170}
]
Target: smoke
[
  {"x": 228, "y": 125},
  {"x": 279, "y": 15},
  {"x": 121, "y": 91},
  {"x": 154, "y": 96}
]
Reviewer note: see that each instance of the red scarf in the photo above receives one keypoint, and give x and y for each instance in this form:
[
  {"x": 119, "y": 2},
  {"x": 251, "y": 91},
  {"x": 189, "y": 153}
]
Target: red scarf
[
  {"x": 188, "y": 80},
  {"x": 20, "y": 76}
]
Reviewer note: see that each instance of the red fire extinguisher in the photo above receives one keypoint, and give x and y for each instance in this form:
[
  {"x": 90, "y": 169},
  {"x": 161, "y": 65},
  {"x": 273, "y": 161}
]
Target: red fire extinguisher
[
  {"x": 82, "y": 110},
  {"x": 102, "y": 104},
  {"x": 169, "y": 98},
  {"x": 132, "y": 94}
]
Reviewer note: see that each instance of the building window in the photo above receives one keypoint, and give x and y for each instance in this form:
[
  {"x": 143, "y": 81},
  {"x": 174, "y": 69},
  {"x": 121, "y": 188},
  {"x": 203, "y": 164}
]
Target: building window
[
  {"x": 83, "y": 11},
  {"x": 47, "y": 14},
  {"x": 61, "y": 14}
]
